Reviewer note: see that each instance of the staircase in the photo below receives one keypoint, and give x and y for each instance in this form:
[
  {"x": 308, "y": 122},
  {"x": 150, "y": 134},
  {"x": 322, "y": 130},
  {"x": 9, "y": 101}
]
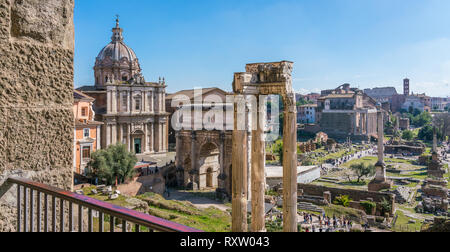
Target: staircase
[{"x": 309, "y": 207}]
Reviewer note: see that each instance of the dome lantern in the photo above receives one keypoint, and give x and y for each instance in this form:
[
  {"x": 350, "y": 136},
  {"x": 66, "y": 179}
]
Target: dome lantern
[{"x": 116, "y": 62}]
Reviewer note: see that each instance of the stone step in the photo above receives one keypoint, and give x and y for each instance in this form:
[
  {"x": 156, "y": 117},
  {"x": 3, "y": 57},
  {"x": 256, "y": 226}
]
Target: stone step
[{"x": 309, "y": 207}]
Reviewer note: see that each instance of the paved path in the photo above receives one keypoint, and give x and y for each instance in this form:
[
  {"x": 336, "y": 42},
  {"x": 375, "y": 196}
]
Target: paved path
[{"x": 198, "y": 201}]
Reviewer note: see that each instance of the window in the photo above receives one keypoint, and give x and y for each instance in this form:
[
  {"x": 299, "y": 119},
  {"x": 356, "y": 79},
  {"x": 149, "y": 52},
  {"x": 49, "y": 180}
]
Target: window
[
  {"x": 86, "y": 152},
  {"x": 86, "y": 133},
  {"x": 124, "y": 78},
  {"x": 138, "y": 103},
  {"x": 124, "y": 102},
  {"x": 84, "y": 111}
]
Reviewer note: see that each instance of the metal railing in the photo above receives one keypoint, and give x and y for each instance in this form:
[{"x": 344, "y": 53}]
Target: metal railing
[{"x": 42, "y": 208}]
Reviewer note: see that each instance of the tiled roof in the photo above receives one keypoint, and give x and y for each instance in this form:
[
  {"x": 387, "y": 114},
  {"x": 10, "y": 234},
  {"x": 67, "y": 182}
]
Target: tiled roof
[{"x": 77, "y": 95}]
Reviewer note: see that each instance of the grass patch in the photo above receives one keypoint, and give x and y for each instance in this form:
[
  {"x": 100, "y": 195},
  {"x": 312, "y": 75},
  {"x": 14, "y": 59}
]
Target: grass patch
[
  {"x": 355, "y": 215},
  {"x": 403, "y": 223},
  {"x": 185, "y": 213}
]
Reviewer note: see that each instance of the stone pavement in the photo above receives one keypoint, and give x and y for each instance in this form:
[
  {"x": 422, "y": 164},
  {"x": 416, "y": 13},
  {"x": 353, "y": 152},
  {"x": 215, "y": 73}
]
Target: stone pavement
[
  {"x": 196, "y": 200},
  {"x": 160, "y": 159}
]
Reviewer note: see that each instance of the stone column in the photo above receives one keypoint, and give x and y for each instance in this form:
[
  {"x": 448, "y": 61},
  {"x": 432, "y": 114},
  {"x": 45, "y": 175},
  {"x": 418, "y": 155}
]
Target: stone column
[
  {"x": 380, "y": 174},
  {"x": 113, "y": 134},
  {"x": 160, "y": 137},
  {"x": 290, "y": 165},
  {"x": 114, "y": 101},
  {"x": 129, "y": 102},
  {"x": 129, "y": 144},
  {"x": 221, "y": 160},
  {"x": 108, "y": 102},
  {"x": 152, "y": 102},
  {"x": 145, "y": 138},
  {"x": 108, "y": 135},
  {"x": 120, "y": 133},
  {"x": 164, "y": 139},
  {"x": 435, "y": 145},
  {"x": 152, "y": 137},
  {"x": 380, "y": 181},
  {"x": 145, "y": 101},
  {"x": 194, "y": 170},
  {"x": 257, "y": 172},
  {"x": 239, "y": 173}
]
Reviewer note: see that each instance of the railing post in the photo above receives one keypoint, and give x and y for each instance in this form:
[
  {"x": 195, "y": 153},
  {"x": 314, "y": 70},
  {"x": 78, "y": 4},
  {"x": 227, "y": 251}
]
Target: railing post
[
  {"x": 61, "y": 215},
  {"x": 80, "y": 218},
  {"x": 111, "y": 224},
  {"x": 38, "y": 196},
  {"x": 45, "y": 213},
  {"x": 25, "y": 210},
  {"x": 124, "y": 226},
  {"x": 90, "y": 221},
  {"x": 31, "y": 209},
  {"x": 54, "y": 214},
  {"x": 100, "y": 222},
  {"x": 19, "y": 214},
  {"x": 70, "y": 217}
]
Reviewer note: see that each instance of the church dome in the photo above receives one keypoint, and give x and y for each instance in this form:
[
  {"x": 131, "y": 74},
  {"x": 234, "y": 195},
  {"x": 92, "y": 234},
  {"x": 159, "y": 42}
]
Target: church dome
[
  {"x": 117, "y": 51},
  {"x": 116, "y": 62}
]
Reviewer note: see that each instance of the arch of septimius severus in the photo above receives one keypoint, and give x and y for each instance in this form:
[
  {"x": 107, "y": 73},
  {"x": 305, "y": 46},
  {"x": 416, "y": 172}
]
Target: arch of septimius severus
[{"x": 262, "y": 79}]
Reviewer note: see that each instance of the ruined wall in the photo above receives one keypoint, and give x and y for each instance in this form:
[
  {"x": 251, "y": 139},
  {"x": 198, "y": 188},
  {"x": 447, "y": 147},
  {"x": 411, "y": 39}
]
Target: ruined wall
[
  {"x": 337, "y": 124},
  {"x": 355, "y": 195},
  {"x": 36, "y": 83}
]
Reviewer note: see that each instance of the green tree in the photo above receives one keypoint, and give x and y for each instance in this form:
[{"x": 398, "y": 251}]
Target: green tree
[
  {"x": 114, "y": 163},
  {"x": 362, "y": 170},
  {"x": 408, "y": 135},
  {"x": 422, "y": 119},
  {"x": 277, "y": 149},
  {"x": 426, "y": 133}
]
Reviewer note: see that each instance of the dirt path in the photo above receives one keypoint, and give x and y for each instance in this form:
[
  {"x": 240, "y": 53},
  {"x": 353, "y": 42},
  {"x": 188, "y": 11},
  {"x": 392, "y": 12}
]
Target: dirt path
[{"x": 198, "y": 201}]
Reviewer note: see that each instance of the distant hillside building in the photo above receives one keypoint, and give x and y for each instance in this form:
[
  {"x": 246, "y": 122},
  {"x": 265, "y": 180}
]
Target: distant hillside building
[
  {"x": 306, "y": 113},
  {"x": 347, "y": 113},
  {"x": 439, "y": 104},
  {"x": 406, "y": 87},
  {"x": 412, "y": 103},
  {"x": 382, "y": 95}
]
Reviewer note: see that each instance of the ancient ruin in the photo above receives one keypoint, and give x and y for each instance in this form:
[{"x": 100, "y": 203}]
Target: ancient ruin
[
  {"x": 263, "y": 79},
  {"x": 435, "y": 166},
  {"x": 380, "y": 181}
]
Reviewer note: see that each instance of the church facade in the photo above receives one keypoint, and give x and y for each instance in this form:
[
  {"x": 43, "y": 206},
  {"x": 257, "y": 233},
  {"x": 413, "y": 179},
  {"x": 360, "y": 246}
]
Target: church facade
[{"x": 132, "y": 110}]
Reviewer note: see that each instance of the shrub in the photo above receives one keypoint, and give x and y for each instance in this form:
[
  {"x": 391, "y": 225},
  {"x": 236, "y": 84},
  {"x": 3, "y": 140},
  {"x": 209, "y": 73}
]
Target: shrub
[
  {"x": 342, "y": 200},
  {"x": 368, "y": 206},
  {"x": 408, "y": 135},
  {"x": 385, "y": 207}
]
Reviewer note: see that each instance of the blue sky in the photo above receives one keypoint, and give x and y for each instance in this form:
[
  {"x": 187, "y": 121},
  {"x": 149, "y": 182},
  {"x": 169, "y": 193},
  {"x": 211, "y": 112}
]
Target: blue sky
[{"x": 201, "y": 43}]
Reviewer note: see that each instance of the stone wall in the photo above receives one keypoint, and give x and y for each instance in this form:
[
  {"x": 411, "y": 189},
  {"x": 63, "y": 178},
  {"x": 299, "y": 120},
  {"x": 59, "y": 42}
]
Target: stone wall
[
  {"x": 36, "y": 85},
  {"x": 355, "y": 195}
]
